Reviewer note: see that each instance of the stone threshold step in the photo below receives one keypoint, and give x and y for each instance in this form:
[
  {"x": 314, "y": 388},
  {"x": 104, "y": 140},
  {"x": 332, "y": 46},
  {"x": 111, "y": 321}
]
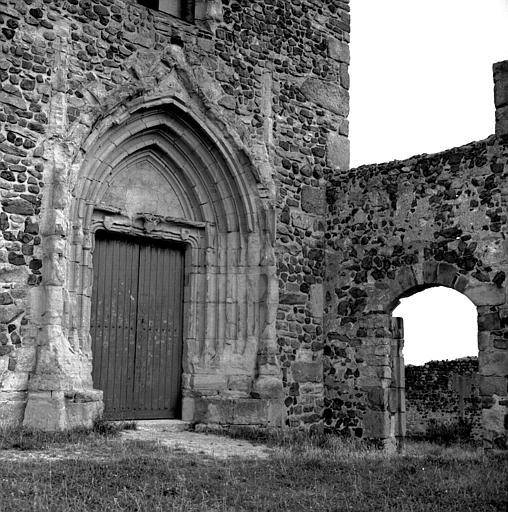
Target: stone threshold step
[{"x": 159, "y": 425}]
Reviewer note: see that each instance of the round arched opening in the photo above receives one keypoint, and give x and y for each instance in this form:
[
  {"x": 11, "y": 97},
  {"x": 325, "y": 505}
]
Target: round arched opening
[{"x": 440, "y": 351}]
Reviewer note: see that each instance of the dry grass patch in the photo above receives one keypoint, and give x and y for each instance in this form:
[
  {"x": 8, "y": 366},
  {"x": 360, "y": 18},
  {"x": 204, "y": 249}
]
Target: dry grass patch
[{"x": 301, "y": 475}]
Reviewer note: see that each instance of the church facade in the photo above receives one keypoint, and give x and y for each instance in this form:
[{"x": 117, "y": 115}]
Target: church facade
[{"x": 182, "y": 236}]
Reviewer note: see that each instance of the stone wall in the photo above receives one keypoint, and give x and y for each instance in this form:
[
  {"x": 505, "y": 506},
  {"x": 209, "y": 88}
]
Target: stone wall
[
  {"x": 257, "y": 93},
  {"x": 395, "y": 229},
  {"x": 293, "y": 262},
  {"x": 444, "y": 391}
]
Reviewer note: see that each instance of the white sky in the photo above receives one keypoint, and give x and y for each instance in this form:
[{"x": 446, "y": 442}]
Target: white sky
[
  {"x": 421, "y": 75},
  {"x": 421, "y": 82},
  {"x": 439, "y": 323}
]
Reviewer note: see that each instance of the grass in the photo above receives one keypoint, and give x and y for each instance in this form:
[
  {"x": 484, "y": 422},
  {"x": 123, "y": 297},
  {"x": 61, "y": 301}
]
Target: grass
[
  {"x": 305, "y": 473},
  {"x": 30, "y": 439}
]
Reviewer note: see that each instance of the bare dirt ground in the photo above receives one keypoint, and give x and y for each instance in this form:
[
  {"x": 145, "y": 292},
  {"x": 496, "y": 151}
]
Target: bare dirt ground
[
  {"x": 207, "y": 444},
  {"x": 164, "y": 434}
]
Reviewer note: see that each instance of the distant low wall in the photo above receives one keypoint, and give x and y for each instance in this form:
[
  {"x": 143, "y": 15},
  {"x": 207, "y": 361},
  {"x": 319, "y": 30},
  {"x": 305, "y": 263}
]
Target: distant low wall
[{"x": 444, "y": 391}]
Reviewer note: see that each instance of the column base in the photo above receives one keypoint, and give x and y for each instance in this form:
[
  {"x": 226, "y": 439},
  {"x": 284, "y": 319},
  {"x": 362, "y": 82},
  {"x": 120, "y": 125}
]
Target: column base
[{"x": 63, "y": 410}]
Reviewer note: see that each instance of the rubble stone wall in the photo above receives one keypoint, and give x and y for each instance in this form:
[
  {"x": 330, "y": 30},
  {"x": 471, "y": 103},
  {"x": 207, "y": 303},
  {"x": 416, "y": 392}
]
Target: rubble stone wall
[
  {"x": 443, "y": 391},
  {"x": 395, "y": 229},
  {"x": 256, "y": 89}
]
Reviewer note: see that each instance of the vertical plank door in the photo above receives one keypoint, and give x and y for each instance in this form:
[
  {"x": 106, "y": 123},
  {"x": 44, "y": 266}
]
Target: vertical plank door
[{"x": 136, "y": 326}]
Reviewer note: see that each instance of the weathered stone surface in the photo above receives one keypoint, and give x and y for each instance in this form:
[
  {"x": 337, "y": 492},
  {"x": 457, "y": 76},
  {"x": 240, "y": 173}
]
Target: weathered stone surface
[
  {"x": 500, "y": 84},
  {"x": 486, "y": 294},
  {"x": 303, "y": 220},
  {"x": 328, "y": 95},
  {"x": 338, "y": 50},
  {"x": 242, "y": 158},
  {"x": 377, "y": 424},
  {"x": 313, "y": 200},
  {"x": 10, "y": 99},
  {"x": 18, "y": 206},
  {"x": 293, "y": 298},
  {"x": 237, "y": 412},
  {"x": 493, "y": 362},
  {"x": 307, "y": 371},
  {"x": 492, "y": 385},
  {"x": 12, "y": 408},
  {"x": 389, "y": 237},
  {"x": 338, "y": 151},
  {"x": 316, "y": 300}
]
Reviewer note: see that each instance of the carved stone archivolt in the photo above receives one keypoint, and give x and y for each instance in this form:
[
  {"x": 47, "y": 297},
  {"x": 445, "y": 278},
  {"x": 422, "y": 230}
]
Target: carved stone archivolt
[{"x": 155, "y": 172}]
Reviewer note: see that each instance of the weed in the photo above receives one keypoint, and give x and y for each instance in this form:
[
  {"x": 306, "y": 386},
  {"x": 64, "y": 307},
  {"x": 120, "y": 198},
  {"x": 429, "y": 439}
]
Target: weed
[
  {"x": 22, "y": 438},
  {"x": 449, "y": 433},
  {"x": 112, "y": 428}
]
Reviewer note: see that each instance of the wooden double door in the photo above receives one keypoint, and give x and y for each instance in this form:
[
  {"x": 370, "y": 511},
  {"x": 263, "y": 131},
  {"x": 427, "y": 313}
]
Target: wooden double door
[{"x": 136, "y": 326}]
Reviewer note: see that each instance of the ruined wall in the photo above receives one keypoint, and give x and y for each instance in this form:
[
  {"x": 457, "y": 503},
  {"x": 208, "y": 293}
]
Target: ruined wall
[
  {"x": 397, "y": 228},
  {"x": 444, "y": 391},
  {"x": 271, "y": 76}
]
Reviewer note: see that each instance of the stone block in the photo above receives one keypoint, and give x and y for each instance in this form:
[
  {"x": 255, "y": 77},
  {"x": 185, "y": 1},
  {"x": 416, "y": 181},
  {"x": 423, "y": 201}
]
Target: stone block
[
  {"x": 15, "y": 381},
  {"x": 8, "y": 313},
  {"x": 493, "y": 362},
  {"x": 208, "y": 384},
  {"x": 239, "y": 384},
  {"x": 500, "y": 84},
  {"x": 250, "y": 412},
  {"x": 493, "y": 419},
  {"x": 337, "y": 151},
  {"x": 13, "y": 101},
  {"x": 313, "y": 200},
  {"x": 45, "y": 410},
  {"x": 338, "y": 50},
  {"x": 502, "y": 121},
  {"x": 484, "y": 340},
  {"x": 268, "y": 386},
  {"x": 213, "y": 411},
  {"x": 302, "y": 220},
  {"x": 489, "y": 321},
  {"x": 396, "y": 400},
  {"x": 307, "y": 371},
  {"x": 316, "y": 300},
  {"x": 406, "y": 279},
  {"x": 446, "y": 274},
  {"x": 276, "y": 416},
  {"x": 293, "y": 298},
  {"x": 328, "y": 95},
  {"x": 377, "y": 424},
  {"x": 493, "y": 385},
  {"x": 485, "y": 294},
  {"x": 82, "y": 414},
  {"x": 398, "y": 328},
  {"x": 12, "y": 408},
  {"x": 189, "y": 408},
  {"x": 378, "y": 398},
  {"x": 429, "y": 272}
]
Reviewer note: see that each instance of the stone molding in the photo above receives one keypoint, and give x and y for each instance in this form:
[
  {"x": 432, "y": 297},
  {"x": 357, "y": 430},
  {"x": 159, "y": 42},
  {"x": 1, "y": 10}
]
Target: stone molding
[{"x": 223, "y": 225}]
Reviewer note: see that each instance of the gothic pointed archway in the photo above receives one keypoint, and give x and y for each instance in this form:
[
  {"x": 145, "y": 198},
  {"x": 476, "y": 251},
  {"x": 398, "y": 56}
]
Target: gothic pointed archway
[{"x": 155, "y": 172}]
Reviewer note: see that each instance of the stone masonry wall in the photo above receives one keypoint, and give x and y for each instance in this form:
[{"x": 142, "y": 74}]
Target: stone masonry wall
[
  {"x": 273, "y": 72},
  {"x": 397, "y": 228},
  {"x": 444, "y": 391}
]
